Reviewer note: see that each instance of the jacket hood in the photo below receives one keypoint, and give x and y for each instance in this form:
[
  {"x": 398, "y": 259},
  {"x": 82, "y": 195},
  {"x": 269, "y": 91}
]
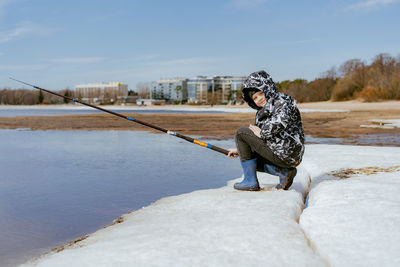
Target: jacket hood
[{"x": 260, "y": 81}]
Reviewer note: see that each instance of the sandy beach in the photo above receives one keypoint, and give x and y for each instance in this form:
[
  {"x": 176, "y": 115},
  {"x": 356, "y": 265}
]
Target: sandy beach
[{"x": 320, "y": 119}]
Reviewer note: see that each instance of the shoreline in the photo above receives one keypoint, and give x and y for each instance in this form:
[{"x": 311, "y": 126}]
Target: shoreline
[
  {"x": 352, "y": 105},
  {"x": 73, "y": 183},
  {"x": 202, "y": 108},
  {"x": 300, "y": 188},
  {"x": 179, "y": 230},
  {"x": 348, "y": 120}
]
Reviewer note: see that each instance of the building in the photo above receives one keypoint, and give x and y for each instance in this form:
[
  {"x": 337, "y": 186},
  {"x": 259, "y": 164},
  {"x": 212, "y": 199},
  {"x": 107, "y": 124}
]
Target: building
[
  {"x": 171, "y": 90},
  {"x": 214, "y": 90},
  {"x": 198, "y": 89},
  {"x": 101, "y": 92},
  {"x": 202, "y": 89}
]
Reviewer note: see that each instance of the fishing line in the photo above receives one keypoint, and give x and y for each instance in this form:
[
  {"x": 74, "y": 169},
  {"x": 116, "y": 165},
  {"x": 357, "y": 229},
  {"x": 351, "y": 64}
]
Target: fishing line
[{"x": 187, "y": 138}]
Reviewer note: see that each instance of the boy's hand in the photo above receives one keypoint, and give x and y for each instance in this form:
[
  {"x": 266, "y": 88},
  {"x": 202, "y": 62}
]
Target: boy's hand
[
  {"x": 255, "y": 130},
  {"x": 233, "y": 153}
]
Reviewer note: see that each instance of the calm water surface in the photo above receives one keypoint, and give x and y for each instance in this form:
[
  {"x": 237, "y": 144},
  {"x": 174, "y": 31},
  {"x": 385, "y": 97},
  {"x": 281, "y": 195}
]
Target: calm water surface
[
  {"x": 59, "y": 185},
  {"x": 383, "y": 139}
]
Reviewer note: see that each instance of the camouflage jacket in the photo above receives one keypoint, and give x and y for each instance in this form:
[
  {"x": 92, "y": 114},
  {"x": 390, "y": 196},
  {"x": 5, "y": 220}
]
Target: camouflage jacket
[{"x": 279, "y": 119}]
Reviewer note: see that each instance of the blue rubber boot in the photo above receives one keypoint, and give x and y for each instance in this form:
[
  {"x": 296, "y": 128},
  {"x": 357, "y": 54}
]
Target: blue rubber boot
[
  {"x": 250, "y": 182},
  {"x": 286, "y": 175}
]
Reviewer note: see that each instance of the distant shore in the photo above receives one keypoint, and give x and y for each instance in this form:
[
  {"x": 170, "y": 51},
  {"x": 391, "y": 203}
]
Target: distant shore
[{"x": 320, "y": 119}]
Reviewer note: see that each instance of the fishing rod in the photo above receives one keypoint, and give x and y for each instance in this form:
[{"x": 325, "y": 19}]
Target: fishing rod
[{"x": 187, "y": 138}]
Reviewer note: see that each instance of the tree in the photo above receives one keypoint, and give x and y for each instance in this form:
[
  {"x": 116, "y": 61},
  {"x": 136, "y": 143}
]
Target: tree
[
  {"x": 67, "y": 93},
  {"x": 40, "y": 97},
  {"x": 353, "y": 80},
  {"x": 380, "y": 76},
  {"x": 132, "y": 93},
  {"x": 320, "y": 89},
  {"x": 143, "y": 90},
  {"x": 296, "y": 88}
]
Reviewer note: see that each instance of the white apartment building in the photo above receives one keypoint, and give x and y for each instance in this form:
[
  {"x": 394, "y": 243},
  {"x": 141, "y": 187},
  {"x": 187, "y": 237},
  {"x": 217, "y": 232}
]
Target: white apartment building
[
  {"x": 169, "y": 89},
  {"x": 202, "y": 89}
]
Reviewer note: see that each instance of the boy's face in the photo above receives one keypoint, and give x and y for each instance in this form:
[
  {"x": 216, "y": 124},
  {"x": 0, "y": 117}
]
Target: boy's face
[{"x": 259, "y": 99}]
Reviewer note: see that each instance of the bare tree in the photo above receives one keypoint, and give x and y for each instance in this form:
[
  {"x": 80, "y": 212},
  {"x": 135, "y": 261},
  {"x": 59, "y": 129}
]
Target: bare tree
[{"x": 143, "y": 89}]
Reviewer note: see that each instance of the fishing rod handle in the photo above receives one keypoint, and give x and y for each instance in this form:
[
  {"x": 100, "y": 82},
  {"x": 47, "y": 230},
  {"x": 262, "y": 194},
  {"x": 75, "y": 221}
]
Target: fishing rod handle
[{"x": 200, "y": 143}]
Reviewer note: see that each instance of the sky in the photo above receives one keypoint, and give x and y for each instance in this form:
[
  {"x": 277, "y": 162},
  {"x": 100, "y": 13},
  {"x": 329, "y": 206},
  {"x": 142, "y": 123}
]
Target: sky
[{"x": 60, "y": 44}]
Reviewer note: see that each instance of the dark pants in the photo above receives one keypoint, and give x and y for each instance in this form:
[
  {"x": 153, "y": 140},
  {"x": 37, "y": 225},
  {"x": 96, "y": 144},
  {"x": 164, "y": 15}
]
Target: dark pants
[{"x": 250, "y": 146}]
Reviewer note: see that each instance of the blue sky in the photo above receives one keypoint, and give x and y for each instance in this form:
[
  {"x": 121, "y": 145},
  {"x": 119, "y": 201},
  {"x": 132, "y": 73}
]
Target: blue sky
[{"x": 59, "y": 44}]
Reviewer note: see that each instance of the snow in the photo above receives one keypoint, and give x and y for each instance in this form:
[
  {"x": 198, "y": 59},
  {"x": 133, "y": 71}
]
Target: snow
[
  {"x": 383, "y": 123},
  {"x": 217, "y": 227},
  {"x": 348, "y": 222},
  {"x": 354, "y": 221}
]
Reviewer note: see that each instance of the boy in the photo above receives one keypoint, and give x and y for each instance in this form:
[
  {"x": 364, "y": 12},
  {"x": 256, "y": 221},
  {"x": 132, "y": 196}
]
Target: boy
[{"x": 276, "y": 143}]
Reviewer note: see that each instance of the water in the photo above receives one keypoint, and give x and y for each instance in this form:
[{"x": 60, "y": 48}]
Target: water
[
  {"x": 323, "y": 140},
  {"x": 382, "y": 139},
  {"x": 26, "y": 111},
  {"x": 59, "y": 185}
]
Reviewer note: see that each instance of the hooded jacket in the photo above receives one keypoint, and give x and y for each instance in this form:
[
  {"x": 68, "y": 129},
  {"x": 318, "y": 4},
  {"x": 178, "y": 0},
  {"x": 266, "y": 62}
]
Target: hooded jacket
[{"x": 279, "y": 119}]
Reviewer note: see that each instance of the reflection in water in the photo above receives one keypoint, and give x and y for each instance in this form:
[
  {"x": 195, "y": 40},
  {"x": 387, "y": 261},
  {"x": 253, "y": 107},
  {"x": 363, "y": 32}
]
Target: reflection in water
[{"x": 59, "y": 185}]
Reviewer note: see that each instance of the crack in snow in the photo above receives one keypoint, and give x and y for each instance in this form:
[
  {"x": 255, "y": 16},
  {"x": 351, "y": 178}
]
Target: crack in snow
[{"x": 310, "y": 244}]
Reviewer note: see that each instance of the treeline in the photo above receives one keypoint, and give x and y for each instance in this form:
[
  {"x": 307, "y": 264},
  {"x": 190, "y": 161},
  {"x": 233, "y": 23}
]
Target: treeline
[
  {"x": 31, "y": 97},
  {"x": 354, "y": 79}
]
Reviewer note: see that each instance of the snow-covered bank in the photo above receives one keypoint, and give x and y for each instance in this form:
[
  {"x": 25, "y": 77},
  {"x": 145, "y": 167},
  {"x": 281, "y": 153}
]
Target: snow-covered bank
[
  {"x": 351, "y": 222},
  {"x": 354, "y": 221},
  {"x": 218, "y": 227}
]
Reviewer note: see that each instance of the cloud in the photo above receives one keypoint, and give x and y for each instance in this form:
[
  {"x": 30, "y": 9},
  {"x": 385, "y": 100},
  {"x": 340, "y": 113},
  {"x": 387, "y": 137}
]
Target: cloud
[
  {"x": 25, "y": 28},
  {"x": 9, "y": 35},
  {"x": 370, "y": 4},
  {"x": 1, "y": 54},
  {"x": 74, "y": 60}
]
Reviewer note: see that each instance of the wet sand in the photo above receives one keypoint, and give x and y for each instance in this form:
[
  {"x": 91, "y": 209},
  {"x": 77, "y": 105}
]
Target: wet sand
[{"x": 223, "y": 126}]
